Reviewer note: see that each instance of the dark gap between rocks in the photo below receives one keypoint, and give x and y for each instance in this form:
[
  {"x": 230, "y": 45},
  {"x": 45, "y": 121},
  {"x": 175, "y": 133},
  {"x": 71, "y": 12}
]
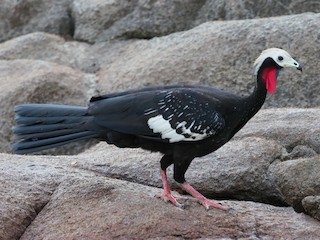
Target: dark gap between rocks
[{"x": 37, "y": 209}]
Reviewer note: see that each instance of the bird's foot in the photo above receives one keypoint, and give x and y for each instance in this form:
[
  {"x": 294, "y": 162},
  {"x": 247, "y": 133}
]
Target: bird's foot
[
  {"x": 168, "y": 197},
  {"x": 209, "y": 203},
  {"x": 203, "y": 200}
]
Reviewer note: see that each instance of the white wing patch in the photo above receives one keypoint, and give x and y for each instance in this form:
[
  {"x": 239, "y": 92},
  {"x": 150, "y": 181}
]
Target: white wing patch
[{"x": 159, "y": 125}]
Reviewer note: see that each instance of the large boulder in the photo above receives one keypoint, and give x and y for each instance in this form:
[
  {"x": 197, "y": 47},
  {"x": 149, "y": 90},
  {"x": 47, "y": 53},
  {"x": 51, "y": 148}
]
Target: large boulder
[
  {"x": 21, "y": 17},
  {"x": 311, "y": 205},
  {"x": 50, "y": 48},
  {"x": 247, "y": 9},
  {"x": 240, "y": 169},
  {"x": 49, "y": 197},
  {"x": 220, "y": 54},
  {"x": 297, "y": 179},
  {"x": 97, "y": 21},
  {"x": 144, "y": 19},
  {"x": 35, "y": 81},
  {"x": 296, "y": 129}
]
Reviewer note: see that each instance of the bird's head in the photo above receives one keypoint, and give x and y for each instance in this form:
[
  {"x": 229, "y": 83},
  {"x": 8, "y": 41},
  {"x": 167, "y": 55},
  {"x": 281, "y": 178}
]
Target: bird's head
[{"x": 269, "y": 64}]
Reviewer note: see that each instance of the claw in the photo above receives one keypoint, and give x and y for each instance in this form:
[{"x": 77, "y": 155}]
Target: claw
[
  {"x": 168, "y": 197},
  {"x": 203, "y": 200},
  {"x": 208, "y": 203}
]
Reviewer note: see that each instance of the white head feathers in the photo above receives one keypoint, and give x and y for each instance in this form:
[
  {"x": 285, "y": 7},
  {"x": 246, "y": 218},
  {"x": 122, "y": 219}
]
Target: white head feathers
[{"x": 280, "y": 56}]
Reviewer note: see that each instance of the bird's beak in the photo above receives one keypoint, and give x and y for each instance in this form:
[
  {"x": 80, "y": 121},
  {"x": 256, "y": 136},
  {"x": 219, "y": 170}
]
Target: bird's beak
[
  {"x": 294, "y": 64},
  {"x": 299, "y": 68}
]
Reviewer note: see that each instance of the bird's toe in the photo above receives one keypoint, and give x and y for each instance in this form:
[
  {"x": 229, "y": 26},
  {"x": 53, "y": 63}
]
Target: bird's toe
[
  {"x": 208, "y": 203},
  {"x": 168, "y": 197}
]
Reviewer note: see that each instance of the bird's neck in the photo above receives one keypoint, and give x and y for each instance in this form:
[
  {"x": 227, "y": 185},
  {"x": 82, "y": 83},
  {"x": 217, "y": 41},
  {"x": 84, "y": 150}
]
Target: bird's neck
[
  {"x": 251, "y": 104},
  {"x": 256, "y": 99}
]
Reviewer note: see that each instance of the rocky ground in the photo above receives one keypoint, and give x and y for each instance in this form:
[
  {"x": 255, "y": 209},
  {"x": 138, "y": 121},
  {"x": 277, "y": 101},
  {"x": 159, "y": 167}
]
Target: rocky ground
[{"x": 66, "y": 51}]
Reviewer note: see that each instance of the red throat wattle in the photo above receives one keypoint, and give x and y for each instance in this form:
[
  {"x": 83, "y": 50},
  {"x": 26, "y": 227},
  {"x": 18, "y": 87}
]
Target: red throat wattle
[{"x": 269, "y": 75}]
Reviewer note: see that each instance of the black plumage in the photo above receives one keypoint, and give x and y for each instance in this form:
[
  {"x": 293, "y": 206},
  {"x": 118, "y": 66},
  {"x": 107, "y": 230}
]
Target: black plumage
[{"x": 181, "y": 121}]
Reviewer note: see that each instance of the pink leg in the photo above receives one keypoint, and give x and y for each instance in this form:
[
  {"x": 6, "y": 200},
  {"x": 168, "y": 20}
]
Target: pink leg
[
  {"x": 166, "y": 194},
  {"x": 203, "y": 200}
]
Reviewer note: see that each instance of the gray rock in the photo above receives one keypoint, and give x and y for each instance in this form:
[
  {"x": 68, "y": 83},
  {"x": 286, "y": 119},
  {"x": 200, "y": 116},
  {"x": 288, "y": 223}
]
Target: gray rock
[
  {"x": 102, "y": 209},
  {"x": 47, "y": 197},
  {"x": 297, "y": 179},
  {"x": 24, "y": 192},
  {"x": 50, "y": 48},
  {"x": 144, "y": 19},
  {"x": 298, "y": 151},
  {"x": 26, "y": 186},
  {"x": 21, "y": 17},
  {"x": 35, "y": 81},
  {"x": 94, "y": 17},
  {"x": 311, "y": 205},
  {"x": 97, "y": 21},
  {"x": 297, "y": 130},
  {"x": 102, "y": 20},
  {"x": 246, "y": 9},
  {"x": 220, "y": 54},
  {"x": 237, "y": 170}
]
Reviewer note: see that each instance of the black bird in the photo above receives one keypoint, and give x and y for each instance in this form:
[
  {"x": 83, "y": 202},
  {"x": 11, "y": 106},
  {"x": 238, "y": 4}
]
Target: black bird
[{"x": 182, "y": 121}]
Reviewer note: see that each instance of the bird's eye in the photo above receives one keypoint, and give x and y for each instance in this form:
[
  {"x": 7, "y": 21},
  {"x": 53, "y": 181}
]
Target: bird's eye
[{"x": 280, "y": 58}]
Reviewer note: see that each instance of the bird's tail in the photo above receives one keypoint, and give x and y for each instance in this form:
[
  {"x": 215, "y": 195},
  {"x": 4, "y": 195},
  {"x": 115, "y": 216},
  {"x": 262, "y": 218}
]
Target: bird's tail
[{"x": 44, "y": 126}]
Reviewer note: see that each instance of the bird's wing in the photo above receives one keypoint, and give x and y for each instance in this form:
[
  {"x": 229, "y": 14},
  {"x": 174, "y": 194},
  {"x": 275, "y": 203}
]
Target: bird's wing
[{"x": 171, "y": 115}]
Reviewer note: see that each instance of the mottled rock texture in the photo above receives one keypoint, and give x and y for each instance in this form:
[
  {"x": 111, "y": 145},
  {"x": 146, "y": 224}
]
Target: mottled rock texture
[
  {"x": 66, "y": 51},
  {"x": 43, "y": 197}
]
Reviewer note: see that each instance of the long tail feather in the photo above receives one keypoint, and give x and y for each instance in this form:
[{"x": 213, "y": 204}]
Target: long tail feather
[{"x": 44, "y": 126}]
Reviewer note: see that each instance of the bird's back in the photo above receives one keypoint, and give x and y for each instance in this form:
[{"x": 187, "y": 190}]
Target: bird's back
[{"x": 160, "y": 118}]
